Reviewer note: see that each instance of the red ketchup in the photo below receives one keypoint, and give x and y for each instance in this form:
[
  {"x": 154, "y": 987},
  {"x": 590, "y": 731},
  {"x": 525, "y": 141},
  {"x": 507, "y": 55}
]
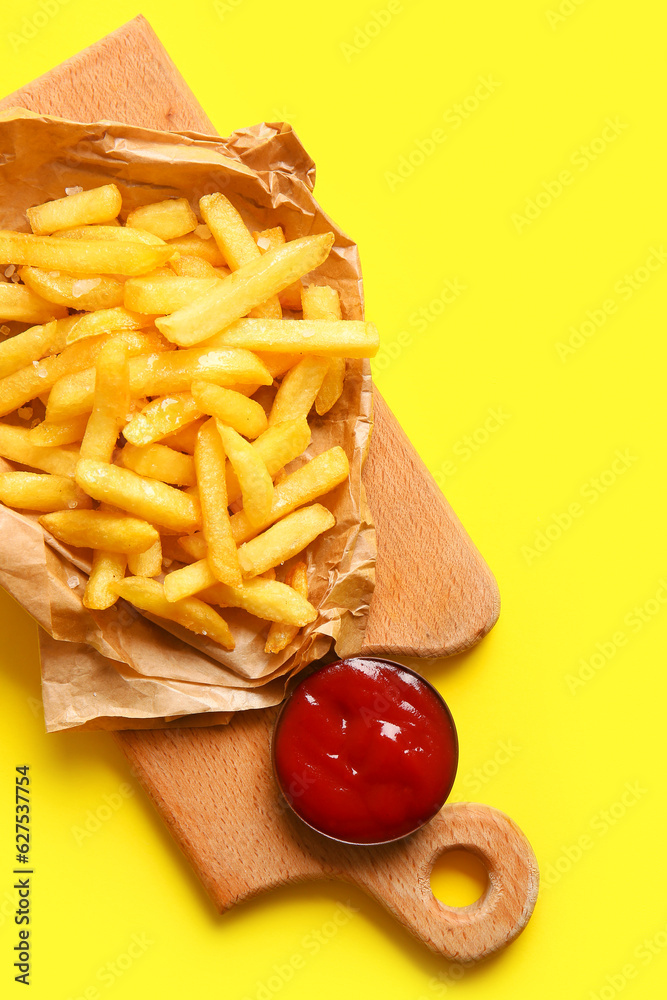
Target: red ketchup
[{"x": 365, "y": 751}]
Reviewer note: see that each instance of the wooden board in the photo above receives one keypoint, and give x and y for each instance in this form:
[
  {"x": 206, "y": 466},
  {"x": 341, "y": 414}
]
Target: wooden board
[{"x": 435, "y": 596}]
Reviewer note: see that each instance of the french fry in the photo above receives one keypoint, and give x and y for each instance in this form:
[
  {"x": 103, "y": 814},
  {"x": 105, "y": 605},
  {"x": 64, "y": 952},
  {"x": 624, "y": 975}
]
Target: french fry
[
  {"x": 163, "y": 416},
  {"x": 148, "y": 595},
  {"x": 32, "y": 491},
  {"x": 277, "y": 446},
  {"x": 23, "y": 348},
  {"x": 148, "y": 563},
  {"x": 323, "y": 302},
  {"x": 234, "y": 240},
  {"x": 299, "y": 389},
  {"x": 36, "y": 379},
  {"x": 110, "y": 402},
  {"x": 210, "y": 468},
  {"x": 47, "y": 435},
  {"x": 243, "y": 414},
  {"x": 108, "y": 568},
  {"x": 98, "y": 529},
  {"x": 116, "y": 233},
  {"x": 284, "y": 539},
  {"x": 167, "y": 219},
  {"x": 160, "y": 294},
  {"x": 172, "y": 552},
  {"x": 157, "y": 461},
  {"x": 317, "y": 477},
  {"x": 81, "y": 256},
  {"x": 268, "y": 239},
  {"x": 158, "y": 375},
  {"x": 278, "y": 364},
  {"x": 100, "y": 204},
  {"x": 191, "y": 266},
  {"x": 15, "y": 444},
  {"x": 251, "y": 471},
  {"x": 23, "y": 304},
  {"x": 194, "y": 545},
  {"x": 246, "y": 288},
  {"x": 281, "y": 634},
  {"x": 189, "y": 580},
  {"x": 93, "y": 324},
  {"x": 343, "y": 338},
  {"x": 77, "y": 292},
  {"x": 185, "y": 439},
  {"x": 193, "y": 245},
  {"x": 267, "y": 599},
  {"x": 145, "y": 498}
]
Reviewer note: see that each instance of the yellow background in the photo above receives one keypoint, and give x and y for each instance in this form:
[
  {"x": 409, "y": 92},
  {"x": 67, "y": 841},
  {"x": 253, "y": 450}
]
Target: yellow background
[{"x": 362, "y": 106}]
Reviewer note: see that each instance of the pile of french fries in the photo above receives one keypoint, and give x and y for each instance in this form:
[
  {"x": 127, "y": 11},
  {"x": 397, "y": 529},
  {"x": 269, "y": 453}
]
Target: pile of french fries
[{"x": 173, "y": 387}]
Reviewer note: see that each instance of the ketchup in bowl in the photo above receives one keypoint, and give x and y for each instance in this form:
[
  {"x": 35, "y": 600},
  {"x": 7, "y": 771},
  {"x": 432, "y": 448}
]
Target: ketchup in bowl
[{"x": 365, "y": 750}]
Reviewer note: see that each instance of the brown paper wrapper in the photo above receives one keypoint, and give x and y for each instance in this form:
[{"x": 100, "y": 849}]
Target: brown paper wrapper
[{"x": 120, "y": 669}]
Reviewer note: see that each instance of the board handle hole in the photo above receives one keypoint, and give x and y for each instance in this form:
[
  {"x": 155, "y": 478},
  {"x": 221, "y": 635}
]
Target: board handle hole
[{"x": 459, "y": 878}]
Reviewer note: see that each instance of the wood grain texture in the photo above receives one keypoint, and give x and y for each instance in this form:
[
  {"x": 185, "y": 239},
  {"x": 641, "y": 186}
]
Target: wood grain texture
[
  {"x": 216, "y": 793},
  {"x": 434, "y": 597}
]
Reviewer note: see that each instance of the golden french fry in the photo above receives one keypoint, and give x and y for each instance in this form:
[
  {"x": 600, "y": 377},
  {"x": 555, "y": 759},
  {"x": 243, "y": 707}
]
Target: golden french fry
[
  {"x": 17, "y": 302},
  {"x": 194, "y": 545},
  {"x": 47, "y": 435},
  {"x": 343, "y": 338},
  {"x": 165, "y": 293},
  {"x": 278, "y": 364},
  {"x": 16, "y": 445},
  {"x": 108, "y": 568},
  {"x": 193, "y": 245},
  {"x": 323, "y": 302},
  {"x": 158, "y": 374},
  {"x": 284, "y": 539},
  {"x": 312, "y": 480},
  {"x": 148, "y": 595},
  {"x": 234, "y": 240},
  {"x": 106, "y": 321},
  {"x": 117, "y": 233},
  {"x": 298, "y": 389},
  {"x": 276, "y": 447},
  {"x": 157, "y": 461},
  {"x": 243, "y": 414},
  {"x": 146, "y": 498},
  {"x": 148, "y": 563},
  {"x": 98, "y": 529},
  {"x": 281, "y": 634},
  {"x": 172, "y": 552},
  {"x": 23, "y": 348},
  {"x": 163, "y": 416},
  {"x": 81, "y": 256},
  {"x": 76, "y": 291},
  {"x": 100, "y": 204},
  {"x": 253, "y": 283},
  {"x": 210, "y": 468},
  {"x": 251, "y": 471},
  {"x": 111, "y": 402},
  {"x": 32, "y": 491},
  {"x": 267, "y": 599},
  {"x": 268, "y": 239},
  {"x": 185, "y": 439},
  {"x": 167, "y": 219},
  {"x": 189, "y": 580},
  {"x": 191, "y": 266}
]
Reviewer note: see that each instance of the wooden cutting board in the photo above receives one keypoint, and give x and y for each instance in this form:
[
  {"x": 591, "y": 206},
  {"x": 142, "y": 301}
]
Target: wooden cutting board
[{"x": 435, "y": 596}]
